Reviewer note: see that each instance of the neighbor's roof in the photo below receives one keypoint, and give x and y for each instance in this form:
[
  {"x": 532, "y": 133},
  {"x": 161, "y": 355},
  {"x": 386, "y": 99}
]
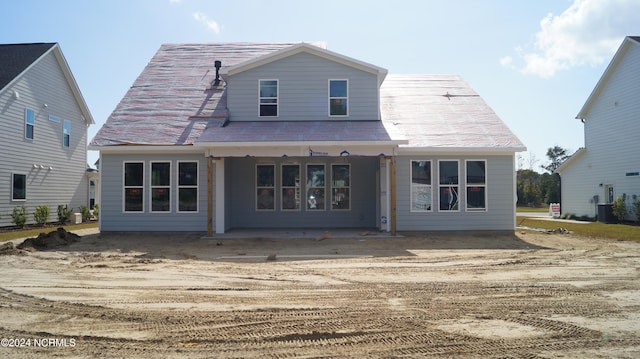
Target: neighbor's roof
[
  {"x": 172, "y": 103},
  {"x": 16, "y": 59},
  {"x": 442, "y": 112},
  {"x": 611, "y": 68}
]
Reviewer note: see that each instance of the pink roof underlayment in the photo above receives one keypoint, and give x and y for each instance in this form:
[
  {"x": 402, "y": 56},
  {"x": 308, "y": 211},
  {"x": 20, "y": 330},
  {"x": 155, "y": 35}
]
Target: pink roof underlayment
[{"x": 174, "y": 103}]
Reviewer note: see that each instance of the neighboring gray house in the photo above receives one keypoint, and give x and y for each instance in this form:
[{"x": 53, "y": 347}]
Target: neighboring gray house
[
  {"x": 44, "y": 131},
  {"x": 608, "y": 166},
  {"x": 291, "y": 135}
]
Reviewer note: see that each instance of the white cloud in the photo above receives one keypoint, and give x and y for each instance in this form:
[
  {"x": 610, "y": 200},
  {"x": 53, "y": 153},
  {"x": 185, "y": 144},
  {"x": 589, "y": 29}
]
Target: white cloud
[
  {"x": 506, "y": 61},
  {"x": 585, "y": 34},
  {"x": 204, "y": 19},
  {"x": 175, "y": 1}
]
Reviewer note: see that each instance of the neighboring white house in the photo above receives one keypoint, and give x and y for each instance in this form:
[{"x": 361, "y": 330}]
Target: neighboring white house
[
  {"x": 215, "y": 137},
  {"x": 609, "y": 165},
  {"x": 44, "y": 121}
]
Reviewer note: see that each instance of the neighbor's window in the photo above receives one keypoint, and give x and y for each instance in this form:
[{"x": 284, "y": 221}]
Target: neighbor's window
[
  {"x": 340, "y": 186},
  {"x": 315, "y": 187},
  {"x": 268, "y": 98},
  {"x": 265, "y": 187},
  {"x": 19, "y": 187},
  {"x": 160, "y": 186},
  {"x": 290, "y": 187},
  {"x": 187, "y": 186},
  {"x": 338, "y": 98},
  {"x": 476, "y": 185},
  {"x": 29, "y": 123},
  {"x": 66, "y": 133},
  {"x": 421, "y": 190},
  {"x": 448, "y": 185},
  {"x": 133, "y": 186}
]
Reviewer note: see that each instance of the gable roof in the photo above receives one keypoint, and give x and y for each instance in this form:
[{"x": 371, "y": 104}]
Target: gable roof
[
  {"x": 309, "y": 49},
  {"x": 442, "y": 113},
  {"x": 611, "y": 68},
  {"x": 172, "y": 103},
  {"x": 16, "y": 59},
  {"x": 172, "y": 100}
]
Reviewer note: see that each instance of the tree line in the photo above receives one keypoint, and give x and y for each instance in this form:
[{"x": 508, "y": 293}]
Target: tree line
[{"x": 536, "y": 189}]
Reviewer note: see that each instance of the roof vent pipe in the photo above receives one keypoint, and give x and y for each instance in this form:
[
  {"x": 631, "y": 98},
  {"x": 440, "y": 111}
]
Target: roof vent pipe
[{"x": 218, "y": 65}]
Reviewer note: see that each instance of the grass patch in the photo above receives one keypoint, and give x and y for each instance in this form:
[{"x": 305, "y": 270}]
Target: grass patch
[
  {"x": 34, "y": 232},
  {"x": 533, "y": 209},
  {"x": 591, "y": 229}
]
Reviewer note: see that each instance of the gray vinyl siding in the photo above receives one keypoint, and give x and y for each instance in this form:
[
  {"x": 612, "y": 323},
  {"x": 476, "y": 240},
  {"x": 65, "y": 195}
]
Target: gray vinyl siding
[
  {"x": 303, "y": 90},
  {"x": 66, "y": 183},
  {"x": 242, "y": 199},
  {"x": 112, "y": 217},
  {"x": 500, "y": 213},
  {"x": 611, "y": 142}
]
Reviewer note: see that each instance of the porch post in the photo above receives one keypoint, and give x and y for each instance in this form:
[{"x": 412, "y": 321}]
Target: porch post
[
  {"x": 209, "y": 196},
  {"x": 220, "y": 201},
  {"x": 393, "y": 195}
]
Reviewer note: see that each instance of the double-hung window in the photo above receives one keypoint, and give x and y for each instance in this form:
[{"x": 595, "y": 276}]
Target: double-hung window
[
  {"x": 448, "y": 185},
  {"x": 290, "y": 187},
  {"x": 133, "y": 186},
  {"x": 340, "y": 186},
  {"x": 187, "y": 186},
  {"x": 476, "y": 185},
  {"x": 265, "y": 187},
  {"x": 29, "y": 123},
  {"x": 268, "y": 102},
  {"x": 19, "y": 187},
  {"x": 315, "y": 187},
  {"x": 421, "y": 186},
  {"x": 160, "y": 186},
  {"x": 66, "y": 133},
  {"x": 338, "y": 98}
]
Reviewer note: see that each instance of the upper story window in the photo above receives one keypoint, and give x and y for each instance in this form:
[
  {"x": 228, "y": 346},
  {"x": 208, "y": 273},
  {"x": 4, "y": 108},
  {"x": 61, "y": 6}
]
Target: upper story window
[
  {"x": 268, "y": 102},
  {"x": 338, "y": 98},
  {"x": 29, "y": 123},
  {"x": 66, "y": 133}
]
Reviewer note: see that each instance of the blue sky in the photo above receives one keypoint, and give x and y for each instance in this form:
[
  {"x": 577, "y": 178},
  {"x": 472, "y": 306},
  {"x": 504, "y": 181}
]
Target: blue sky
[{"x": 534, "y": 62}]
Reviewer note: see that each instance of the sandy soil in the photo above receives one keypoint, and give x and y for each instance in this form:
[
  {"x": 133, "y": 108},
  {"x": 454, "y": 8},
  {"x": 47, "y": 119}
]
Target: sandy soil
[{"x": 528, "y": 295}]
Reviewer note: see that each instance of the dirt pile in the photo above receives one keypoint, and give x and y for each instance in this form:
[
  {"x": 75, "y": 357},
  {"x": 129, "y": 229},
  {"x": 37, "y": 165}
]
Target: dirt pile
[
  {"x": 8, "y": 248},
  {"x": 59, "y": 237}
]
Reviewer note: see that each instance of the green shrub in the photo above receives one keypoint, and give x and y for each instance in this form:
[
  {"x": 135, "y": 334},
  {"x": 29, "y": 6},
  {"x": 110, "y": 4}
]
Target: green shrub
[
  {"x": 86, "y": 214},
  {"x": 96, "y": 210},
  {"x": 19, "y": 216},
  {"x": 41, "y": 215},
  {"x": 619, "y": 208},
  {"x": 636, "y": 209},
  {"x": 64, "y": 213}
]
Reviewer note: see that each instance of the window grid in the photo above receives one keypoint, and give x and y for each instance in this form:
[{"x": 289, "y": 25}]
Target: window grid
[
  {"x": 29, "y": 123},
  {"x": 265, "y": 187},
  {"x": 188, "y": 187},
  {"x": 476, "y": 185},
  {"x": 341, "y": 187},
  {"x": 315, "y": 187},
  {"x": 290, "y": 174},
  {"x": 338, "y": 98},
  {"x": 421, "y": 186},
  {"x": 268, "y": 98},
  {"x": 160, "y": 186},
  {"x": 448, "y": 185},
  {"x": 66, "y": 133},
  {"x": 133, "y": 196}
]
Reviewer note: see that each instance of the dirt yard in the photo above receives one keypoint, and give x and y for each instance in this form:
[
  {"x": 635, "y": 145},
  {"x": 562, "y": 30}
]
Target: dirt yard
[{"x": 436, "y": 295}]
